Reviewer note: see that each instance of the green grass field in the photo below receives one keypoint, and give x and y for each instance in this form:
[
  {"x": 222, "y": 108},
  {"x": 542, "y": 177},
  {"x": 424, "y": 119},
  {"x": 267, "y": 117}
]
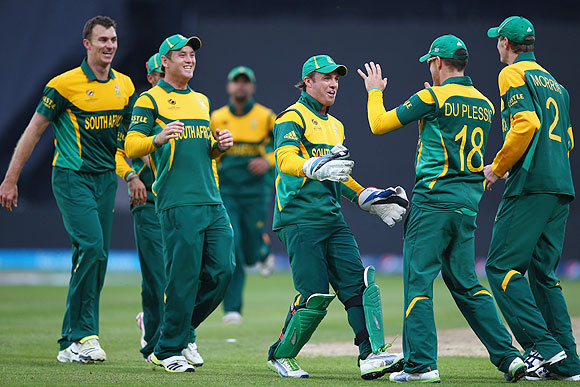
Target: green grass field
[{"x": 30, "y": 318}]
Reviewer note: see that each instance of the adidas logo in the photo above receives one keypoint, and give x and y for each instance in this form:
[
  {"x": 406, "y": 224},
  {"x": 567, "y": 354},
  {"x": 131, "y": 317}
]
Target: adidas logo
[
  {"x": 291, "y": 136},
  {"x": 529, "y": 29},
  {"x": 459, "y": 44}
]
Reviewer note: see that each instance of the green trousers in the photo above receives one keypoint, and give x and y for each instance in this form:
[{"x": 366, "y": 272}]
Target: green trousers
[
  {"x": 86, "y": 202},
  {"x": 443, "y": 241},
  {"x": 248, "y": 217},
  {"x": 323, "y": 254},
  {"x": 199, "y": 259},
  {"x": 528, "y": 235},
  {"x": 150, "y": 251}
]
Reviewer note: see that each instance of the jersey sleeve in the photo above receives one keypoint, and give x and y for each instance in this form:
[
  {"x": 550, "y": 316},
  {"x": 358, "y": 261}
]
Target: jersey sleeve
[
  {"x": 122, "y": 167},
  {"x": 269, "y": 148},
  {"x": 381, "y": 121},
  {"x": 523, "y": 120},
  {"x": 351, "y": 189},
  {"x": 143, "y": 117},
  {"x": 128, "y": 111},
  {"x": 52, "y": 103},
  {"x": 287, "y": 134}
]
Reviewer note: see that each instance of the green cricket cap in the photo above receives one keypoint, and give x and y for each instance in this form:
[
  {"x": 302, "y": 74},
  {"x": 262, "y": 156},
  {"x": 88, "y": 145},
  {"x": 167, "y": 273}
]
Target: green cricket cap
[
  {"x": 177, "y": 42},
  {"x": 515, "y": 28},
  {"x": 154, "y": 64},
  {"x": 445, "y": 47},
  {"x": 322, "y": 64},
  {"x": 241, "y": 70}
]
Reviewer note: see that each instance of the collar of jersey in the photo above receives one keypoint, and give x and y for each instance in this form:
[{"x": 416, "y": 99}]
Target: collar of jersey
[
  {"x": 91, "y": 75},
  {"x": 168, "y": 88},
  {"x": 525, "y": 56},
  {"x": 312, "y": 104},
  {"x": 465, "y": 81},
  {"x": 245, "y": 110}
]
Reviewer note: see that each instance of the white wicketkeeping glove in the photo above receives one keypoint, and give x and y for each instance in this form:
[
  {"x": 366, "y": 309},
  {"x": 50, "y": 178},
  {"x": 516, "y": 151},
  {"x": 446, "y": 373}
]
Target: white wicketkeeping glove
[
  {"x": 332, "y": 167},
  {"x": 390, "y": 204}
]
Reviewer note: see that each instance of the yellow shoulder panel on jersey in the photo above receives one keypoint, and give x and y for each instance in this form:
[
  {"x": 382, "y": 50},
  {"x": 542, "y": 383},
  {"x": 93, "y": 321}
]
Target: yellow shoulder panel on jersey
[
  {"x": 510, "y": 76},
  {"x": 425, "y": 96},
  {"x": 145, "y": 102},
  {"x": 289, "y": 116},
  {"x": 93, "y": 96}
]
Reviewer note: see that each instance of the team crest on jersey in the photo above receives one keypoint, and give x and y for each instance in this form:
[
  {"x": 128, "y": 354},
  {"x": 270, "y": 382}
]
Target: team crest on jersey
[
  {"x": 315, "y": 123},
  {"x": 171, "y": 101},
  {"x": 90, "y": 93},
  {"x": 117, "y": 91},
  {"x": 291, "y": 136}
]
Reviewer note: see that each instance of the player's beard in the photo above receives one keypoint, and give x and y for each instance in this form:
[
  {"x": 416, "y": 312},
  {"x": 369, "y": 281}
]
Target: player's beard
[{"x": 241, "y": 99}]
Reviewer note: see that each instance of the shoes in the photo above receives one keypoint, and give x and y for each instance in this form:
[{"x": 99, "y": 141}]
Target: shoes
[
  {"x": 69, "y": 354},
  {"x": 234, "y": 318},
  {"x": 87, "y": 350},
  {"x": 378, "y": 364},
  {"x": 424, "y": 377},
  {"x": 141, "y": 326},
  {"x": 266, "y": 268},
  {"x": 543, "y": 373},
  {"x": 90, "y": 350},
  {"x": 517, "y": 370},
  {"x": 192, "y": 356},
  {"x": 173, "y": 364},
  {"x": 287, "y": 367},
  {"x": 535, "y": 360}
]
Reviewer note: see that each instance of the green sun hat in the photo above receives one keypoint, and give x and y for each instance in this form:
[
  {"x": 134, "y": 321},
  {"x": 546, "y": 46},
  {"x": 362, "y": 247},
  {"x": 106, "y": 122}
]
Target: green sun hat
[
  {"x": 322, "y": 64},
  {"x": 515, "y": 28},
  {"x": 154, "y": 64},
  {"x": 177, "y": 42},
  {"x": 241, "y": 70},
  {"x": 445, "y": 47}
]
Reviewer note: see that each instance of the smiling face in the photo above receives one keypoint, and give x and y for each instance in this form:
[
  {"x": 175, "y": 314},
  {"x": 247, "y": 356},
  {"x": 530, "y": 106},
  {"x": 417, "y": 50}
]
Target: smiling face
[
  {"x": 322, "y": 87},
  {"x": 102, "y": 46},
  {"x": 179, "y": 64}
]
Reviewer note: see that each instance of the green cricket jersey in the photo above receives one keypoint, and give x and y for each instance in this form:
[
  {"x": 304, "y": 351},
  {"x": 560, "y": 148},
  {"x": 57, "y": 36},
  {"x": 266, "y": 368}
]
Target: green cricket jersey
[
  {"x": 454, "y": 121},
  {"x": 252, "y": 132},
  {"x": 183, "y": 166},
  {"x": 86, "y": 115},
  {"x": 299, "y": 200},
  {"x": 533, "y": 101}
]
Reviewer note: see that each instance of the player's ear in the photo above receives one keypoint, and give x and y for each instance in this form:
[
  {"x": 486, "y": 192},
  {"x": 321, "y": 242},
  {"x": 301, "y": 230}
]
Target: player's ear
[{"x": 86, "y": 43}]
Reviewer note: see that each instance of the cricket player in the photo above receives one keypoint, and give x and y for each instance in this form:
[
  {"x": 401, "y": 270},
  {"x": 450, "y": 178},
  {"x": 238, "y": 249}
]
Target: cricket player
[
  {"x": 530, "y": 225},
  {"x": 171, "y": 123},
  {"x": 454, "y": 121},
  {"x": 246, "y": 180},
  {"x": 87, "y": 107},
  {"x": 148, "y": 239},
  {"x": 312, "y": 173}
]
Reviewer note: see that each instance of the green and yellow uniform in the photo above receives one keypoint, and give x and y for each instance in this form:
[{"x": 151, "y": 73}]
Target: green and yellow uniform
[
  {"x": 530, "y": 225},
  {"x": 197, "y": 235},
  {"x": 245, "y": 195},
  {"x": 86, "y": 115},
  {"x": 307, "y": 216},
  {"x": 454, "y": 121},
  {"x": 149, "y": 245}
]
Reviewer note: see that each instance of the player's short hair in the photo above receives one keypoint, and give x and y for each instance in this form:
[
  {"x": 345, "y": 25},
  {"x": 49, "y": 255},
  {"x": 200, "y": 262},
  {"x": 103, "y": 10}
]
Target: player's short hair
[
  {"x": 518, "y": 48},
  {"x": 457, "y": 64},
  {"x": 104, "y": 21},
  {"x": 301, "y": 85}
]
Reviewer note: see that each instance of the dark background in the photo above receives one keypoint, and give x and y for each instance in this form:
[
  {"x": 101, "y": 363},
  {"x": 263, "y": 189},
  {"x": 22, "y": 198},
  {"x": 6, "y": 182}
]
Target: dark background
[{"x": 43, "y": 39}]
